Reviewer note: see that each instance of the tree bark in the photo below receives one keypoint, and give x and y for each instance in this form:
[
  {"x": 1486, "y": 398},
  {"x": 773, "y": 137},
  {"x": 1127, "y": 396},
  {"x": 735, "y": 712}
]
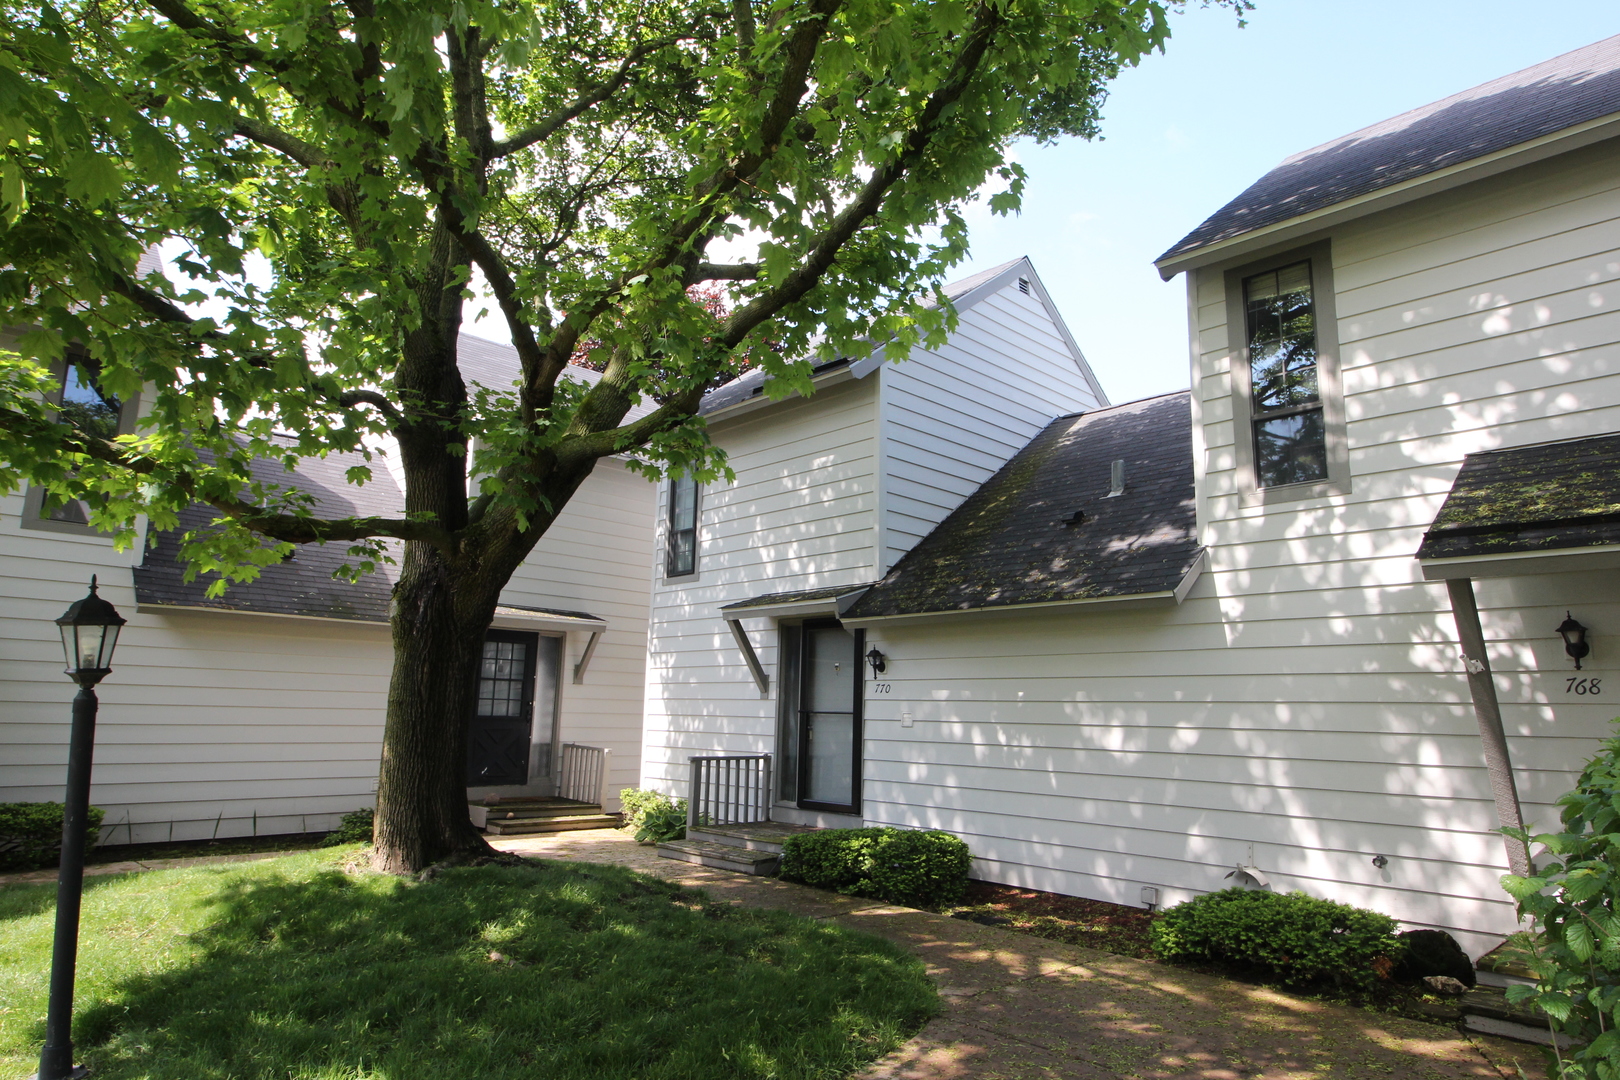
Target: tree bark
[{"x": 438, "y": 625}]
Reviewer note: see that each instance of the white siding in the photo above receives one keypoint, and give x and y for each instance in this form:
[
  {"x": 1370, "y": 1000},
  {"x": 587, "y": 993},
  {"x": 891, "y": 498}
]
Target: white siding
[
  {"x": 223, "y": 723},
  {"x": 951, "y": 418},
  {"x": 1308, "y": 699},
  {"x": 802, "y": 515}
]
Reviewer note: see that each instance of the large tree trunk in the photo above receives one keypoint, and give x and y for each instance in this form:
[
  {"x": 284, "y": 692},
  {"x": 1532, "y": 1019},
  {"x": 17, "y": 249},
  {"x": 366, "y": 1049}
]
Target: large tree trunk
[{"x": 438, "y": 629}]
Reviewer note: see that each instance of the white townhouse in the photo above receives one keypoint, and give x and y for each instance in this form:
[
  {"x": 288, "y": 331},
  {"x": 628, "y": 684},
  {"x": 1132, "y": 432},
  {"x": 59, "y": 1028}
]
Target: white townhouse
[
  {"x": 262, "y": 710},
  {"x": 1296, "y": 627}
]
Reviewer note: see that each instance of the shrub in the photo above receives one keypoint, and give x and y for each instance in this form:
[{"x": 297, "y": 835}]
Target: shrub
[
  {"x": 900, "y": 866},
  {"x": 31, "y": 834},
  {"x": 354, "y": 828},
  {"x": 1294, "y": 937},
  {"x": 1570, "y": 903},
  {"x": 652, "y": 816}
]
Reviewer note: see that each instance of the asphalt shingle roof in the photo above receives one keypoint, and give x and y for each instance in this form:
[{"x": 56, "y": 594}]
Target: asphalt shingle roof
[
  {"x": 1546, "y": 497},
  {"x": 304, "y": 584},
  {"x": 1549, "y": 97},
  {"x": 1016, "y": 540}
]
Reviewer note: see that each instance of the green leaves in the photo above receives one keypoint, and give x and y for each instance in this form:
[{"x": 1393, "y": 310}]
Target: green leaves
[{"x": 1573, "y": 942}]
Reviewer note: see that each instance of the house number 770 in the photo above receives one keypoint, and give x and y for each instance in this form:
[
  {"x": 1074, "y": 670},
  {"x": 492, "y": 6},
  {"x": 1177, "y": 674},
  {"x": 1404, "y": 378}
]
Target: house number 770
[{"x": 1583, "y": 687}]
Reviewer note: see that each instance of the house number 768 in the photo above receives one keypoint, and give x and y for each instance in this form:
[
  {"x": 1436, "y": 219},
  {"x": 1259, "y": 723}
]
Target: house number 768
[{"x": 1583, "y": 687}]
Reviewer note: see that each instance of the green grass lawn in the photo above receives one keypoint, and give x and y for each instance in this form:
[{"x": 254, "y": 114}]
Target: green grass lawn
[{"x": 291, "y": 968}]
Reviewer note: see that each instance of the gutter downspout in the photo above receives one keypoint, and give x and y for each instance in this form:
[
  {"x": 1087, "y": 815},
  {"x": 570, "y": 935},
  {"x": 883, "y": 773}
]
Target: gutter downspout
[{"x": 1489, "y": 714}]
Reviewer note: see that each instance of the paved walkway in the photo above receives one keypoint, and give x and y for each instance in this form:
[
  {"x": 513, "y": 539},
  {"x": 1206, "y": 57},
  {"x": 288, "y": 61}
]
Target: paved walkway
[
  {"x": 1018, "y": 1007},
  {"x": 132, "y": 865}
]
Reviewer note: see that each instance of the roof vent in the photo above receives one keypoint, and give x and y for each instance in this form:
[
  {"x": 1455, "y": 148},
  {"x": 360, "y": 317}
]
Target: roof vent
[
  {"x": 1076, "y": 518},
  {"x": 1116, "y": 481},
  {"x": 1023, "y": 285}
]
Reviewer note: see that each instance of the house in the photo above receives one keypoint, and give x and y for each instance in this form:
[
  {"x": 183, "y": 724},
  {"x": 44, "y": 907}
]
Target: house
[
  {"x": 261, "y": 711},
  {"x": 1296, "y": 628}
]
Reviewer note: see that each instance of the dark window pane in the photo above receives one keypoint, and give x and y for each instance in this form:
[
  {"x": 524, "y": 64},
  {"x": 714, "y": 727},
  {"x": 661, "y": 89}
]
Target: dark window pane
[
  {"x": 682, "y": 525},
  {"x": 85, "y": 407},
  {"x": 1290, "y": 449}
]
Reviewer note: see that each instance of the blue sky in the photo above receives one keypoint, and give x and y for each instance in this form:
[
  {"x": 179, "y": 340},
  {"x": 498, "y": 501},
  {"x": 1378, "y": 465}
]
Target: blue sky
[{"x": 1187, "y": 130}]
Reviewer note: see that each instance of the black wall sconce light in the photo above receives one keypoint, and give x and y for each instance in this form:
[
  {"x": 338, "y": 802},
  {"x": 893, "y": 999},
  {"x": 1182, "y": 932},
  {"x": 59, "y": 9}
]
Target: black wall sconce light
[
  {"x": 1574, "y": 635},
  {"x": 875, "y": 658}
]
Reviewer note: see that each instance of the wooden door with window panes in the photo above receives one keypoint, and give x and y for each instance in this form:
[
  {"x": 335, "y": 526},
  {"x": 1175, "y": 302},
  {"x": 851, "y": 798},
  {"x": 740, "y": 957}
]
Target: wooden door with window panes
[{"x": 500, "y": 729}]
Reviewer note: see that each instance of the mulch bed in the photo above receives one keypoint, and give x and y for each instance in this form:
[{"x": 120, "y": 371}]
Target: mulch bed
[{"x": 1095, "y": 924}]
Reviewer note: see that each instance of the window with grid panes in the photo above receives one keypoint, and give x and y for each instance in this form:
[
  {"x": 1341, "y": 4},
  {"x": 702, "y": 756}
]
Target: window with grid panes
[
  {"x": 1290, "y": 436},
  {"x": 503, "y": 680}
]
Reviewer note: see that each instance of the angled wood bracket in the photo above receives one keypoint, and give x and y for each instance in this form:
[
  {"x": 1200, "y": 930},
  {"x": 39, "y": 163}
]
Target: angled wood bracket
[{"x": 762, "y": 680}]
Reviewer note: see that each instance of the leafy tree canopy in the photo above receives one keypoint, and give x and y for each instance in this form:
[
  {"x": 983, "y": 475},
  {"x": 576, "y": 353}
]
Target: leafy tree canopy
[{"x": 585, "y": 158}]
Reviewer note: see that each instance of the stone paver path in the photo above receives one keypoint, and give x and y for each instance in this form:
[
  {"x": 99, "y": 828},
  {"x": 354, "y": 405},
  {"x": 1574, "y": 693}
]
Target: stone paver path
[{"x": 1018, "y": 1007}]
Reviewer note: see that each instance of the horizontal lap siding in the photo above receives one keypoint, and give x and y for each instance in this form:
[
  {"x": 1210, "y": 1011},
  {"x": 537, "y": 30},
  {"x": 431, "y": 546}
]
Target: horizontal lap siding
[
  {"x": 225, "y": 724},
  {"x": 801, "y": 515},
  {"x": 953, "y": 417},
  {"x": 595, "y": 559},
  {"x": 1307, "y": 700}
]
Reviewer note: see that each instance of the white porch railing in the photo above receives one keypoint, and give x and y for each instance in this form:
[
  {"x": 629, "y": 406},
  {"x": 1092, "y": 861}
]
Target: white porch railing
[
  {"x": 582, "y": 775},
  {"x": 730, "y": 789}
]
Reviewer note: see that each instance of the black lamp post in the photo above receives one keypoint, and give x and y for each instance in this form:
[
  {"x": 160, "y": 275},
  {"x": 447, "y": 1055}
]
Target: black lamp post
[{"x": 89, "y": 632}]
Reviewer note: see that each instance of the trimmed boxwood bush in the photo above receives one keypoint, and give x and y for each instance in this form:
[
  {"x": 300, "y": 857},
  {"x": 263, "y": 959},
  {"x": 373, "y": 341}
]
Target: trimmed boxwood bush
[
  {"x": 900, "y": 866},
  {"x": 31, "y": 834},
  {"x": 1296, "y": 938}
]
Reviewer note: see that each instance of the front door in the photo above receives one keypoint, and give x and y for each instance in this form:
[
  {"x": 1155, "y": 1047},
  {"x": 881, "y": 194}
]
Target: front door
[
  {"x": 829, "y": 718},
  {"x": 498, "y": 733}
]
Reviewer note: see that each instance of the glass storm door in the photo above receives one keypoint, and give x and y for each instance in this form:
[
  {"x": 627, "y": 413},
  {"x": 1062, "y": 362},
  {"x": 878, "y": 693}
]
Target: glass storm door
[
  {"x": 499, "y": 731},
  {"x": 829, "y": 718}
]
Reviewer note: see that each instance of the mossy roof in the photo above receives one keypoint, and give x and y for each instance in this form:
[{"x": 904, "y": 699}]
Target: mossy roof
[
  {"x": 1545, "y": 497},
  {"x": 1551, "y": 96},
  {"x": 1018, "y": 540}
]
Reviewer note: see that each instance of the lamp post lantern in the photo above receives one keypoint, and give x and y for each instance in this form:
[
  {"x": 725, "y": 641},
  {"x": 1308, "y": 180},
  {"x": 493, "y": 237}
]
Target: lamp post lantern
[{"x": 89, "y": 633}]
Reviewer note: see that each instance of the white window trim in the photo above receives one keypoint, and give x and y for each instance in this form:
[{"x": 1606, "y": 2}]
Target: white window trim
[{"x": 1329, "y": 384}]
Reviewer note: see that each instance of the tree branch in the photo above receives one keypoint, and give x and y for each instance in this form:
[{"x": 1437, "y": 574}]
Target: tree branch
[
  {"x": 718, "y": 272},
  {"x": 292, "y": 528},
  {"x": 869, "y": 201},
  {"x": 550, "y": 125}
]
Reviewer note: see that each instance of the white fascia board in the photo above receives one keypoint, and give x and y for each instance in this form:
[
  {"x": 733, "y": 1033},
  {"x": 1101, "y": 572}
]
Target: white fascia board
[
  {"x": 1240, "y": 247},
  {"x": 1518, "y": 563},
  {"x": 1162, "y": 598},
  {"x": 517, "y": 619},
  {"x": 199, "y": 609},
  {"x": 792, "y": 609},
  {"x": 761, "y": 400}
]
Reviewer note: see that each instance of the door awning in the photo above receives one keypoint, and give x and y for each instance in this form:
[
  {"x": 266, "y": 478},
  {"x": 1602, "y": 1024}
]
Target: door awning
[
  {"x": 1546, "y": 508},
  {"x": 833, "y": 600}
]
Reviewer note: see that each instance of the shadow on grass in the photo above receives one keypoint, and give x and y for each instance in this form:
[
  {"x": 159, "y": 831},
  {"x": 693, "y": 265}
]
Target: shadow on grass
[{"x": 555, "y": 971}]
